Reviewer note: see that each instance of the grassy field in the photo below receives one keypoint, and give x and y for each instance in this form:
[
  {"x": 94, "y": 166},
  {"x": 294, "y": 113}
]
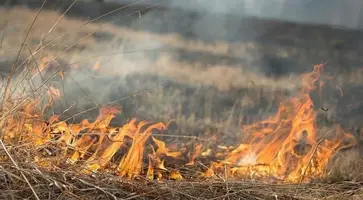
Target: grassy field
[{"x": 208, "y": 82}]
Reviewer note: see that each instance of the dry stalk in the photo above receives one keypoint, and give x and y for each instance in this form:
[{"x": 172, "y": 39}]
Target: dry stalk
[
  {"x": 312, "y": 155},
  {"x": 18, "y": 168},
  {"x": 90, "y": 34},
  {"x": 98, "y": 188},
  {"x": 61, "y": 17},
  {"x": 14, "y": 67}
]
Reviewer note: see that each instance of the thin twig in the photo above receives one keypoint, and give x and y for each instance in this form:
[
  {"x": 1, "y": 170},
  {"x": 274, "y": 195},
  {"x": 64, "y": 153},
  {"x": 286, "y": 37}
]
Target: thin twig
[
  {"x": 14, "y": 67},
  {"x": 18, "y": 168},
  {"x": 61, "y": 17},
  {"x": 3, "y": 35},
  {"x": 89, "y": 97},
  {"x": 312, "y": 155},
  {"x": 5, "y": 115},
  {"x": 97, "y": 187},
  {"x": 93, "y": 20}
]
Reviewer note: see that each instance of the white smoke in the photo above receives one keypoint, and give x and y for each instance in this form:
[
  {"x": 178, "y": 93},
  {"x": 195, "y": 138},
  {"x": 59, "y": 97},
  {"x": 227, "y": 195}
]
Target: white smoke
[{"x": 330, "y": 12}]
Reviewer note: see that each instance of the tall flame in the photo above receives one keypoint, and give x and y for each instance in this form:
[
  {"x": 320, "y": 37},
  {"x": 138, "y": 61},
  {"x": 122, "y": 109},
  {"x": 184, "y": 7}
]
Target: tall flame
[{"x": 287, "y": 144}]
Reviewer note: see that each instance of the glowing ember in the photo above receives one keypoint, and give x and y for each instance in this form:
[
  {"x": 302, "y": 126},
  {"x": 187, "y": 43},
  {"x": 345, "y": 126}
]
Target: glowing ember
[
  {"x": 96, "y": 66},
  {"x": 286, "y": 146}
]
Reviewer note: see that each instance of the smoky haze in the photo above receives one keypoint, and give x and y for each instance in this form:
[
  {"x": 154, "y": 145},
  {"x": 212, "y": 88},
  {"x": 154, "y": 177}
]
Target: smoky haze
[
  {"x": 201, "y": 20},
  {"x": 204, "y": 49},
  {"x": 330, "y": 12}
]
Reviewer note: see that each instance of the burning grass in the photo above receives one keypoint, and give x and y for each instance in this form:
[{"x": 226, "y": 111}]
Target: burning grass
[
  {"x": 84, "y": 158},
  {"x": 286, "y": 156},
  {"x": 286, "y": 146},
  {"x": 63, "y": 181}
]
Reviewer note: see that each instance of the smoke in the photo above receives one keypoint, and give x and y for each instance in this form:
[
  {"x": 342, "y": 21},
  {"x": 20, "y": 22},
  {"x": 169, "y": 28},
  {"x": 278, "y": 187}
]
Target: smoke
[
  {"x": 329, "y": 12},
  {"x": 209, "y": 21},
  {"x": 201, "y": 34}
]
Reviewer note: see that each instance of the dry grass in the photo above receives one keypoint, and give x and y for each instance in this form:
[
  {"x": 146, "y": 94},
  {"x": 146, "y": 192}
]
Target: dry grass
[
  {"x": 69, "y": 31},
  {"x": 68, "y": 185},
  {"x": 22, "y": 179},
  {"x": 65, "y": 183},
  {"x": 347, "y": 167}
]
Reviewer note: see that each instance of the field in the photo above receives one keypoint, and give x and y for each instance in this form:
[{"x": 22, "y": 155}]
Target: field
[{"x": 205, "y": 76}]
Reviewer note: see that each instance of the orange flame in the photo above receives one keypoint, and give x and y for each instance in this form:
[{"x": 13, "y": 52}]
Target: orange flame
[
  {"x": 96, "y": 67},
  {"x": 44, "y": 62},
  {"x": 283, "y": 145}
]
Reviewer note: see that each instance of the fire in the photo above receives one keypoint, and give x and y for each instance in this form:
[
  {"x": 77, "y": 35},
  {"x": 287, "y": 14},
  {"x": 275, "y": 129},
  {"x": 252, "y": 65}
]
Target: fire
[
  {"x": 54, "y": 92},
  {"x": 96, "y": 67},
  {"x": 44, "y": 63},
  {"x": 287, "y": 146},
  {"x": 51, "y": 65}
]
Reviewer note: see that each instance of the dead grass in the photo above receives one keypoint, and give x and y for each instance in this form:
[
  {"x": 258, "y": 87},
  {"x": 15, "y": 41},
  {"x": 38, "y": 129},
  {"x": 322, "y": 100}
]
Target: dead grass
[
  {"x": 63, "y": 182},
  {"x": 66, "y": 184},
  {"x": 347, "y": 166},
  {"x": 22, "y": 179}
]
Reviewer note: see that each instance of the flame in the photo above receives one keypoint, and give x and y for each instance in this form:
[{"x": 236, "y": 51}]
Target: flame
[
  {"x": 131, "y": 164},
  {"x": 96, "y": 67},
  {"x": 163, "y": 150},
  {"x": 175, "y": 175},
  {"x": 287, "y": 146},
  {"x": 150, "y": 170},
  {"x": 193, "y": 155},
  {"x": 44, "y": 63},
  {"x": 53, "y": 92},
  {"x": 49, "y": 63}
]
